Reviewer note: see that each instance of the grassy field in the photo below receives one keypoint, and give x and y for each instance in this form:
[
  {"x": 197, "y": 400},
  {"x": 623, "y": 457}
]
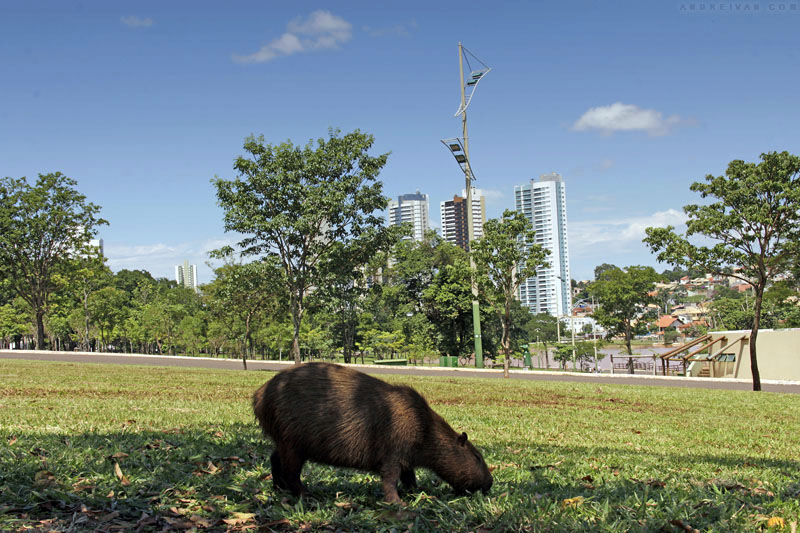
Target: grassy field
[{"x": 117, "y": 448}]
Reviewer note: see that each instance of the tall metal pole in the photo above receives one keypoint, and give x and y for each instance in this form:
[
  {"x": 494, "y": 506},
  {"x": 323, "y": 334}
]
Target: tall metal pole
[{"x": 476, "y": 315}]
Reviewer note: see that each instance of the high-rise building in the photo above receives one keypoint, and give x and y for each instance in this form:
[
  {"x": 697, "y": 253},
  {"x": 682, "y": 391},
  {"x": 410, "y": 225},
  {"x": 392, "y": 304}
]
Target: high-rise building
[
  {"x": 186, "y": 275},
  {"x": 411, "y": 209},
  {"x": 454, "y": 218},
  {"x": 544, "y": 203}
]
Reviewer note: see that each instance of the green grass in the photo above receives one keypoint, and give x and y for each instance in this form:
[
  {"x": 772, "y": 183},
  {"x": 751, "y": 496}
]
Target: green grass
[{"x": 566, "y": 457}]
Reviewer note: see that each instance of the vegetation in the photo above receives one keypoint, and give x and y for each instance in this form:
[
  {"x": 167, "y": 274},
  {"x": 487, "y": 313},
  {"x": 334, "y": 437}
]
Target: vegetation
[
  {"x": 92, "y": 447},
  {"x": 506, "y": 256},
  {"x": 623, "y": 295},
  {"x": 754, "y": 220},
  {"x": 309, "y": 209},
  {"x": 45, "y": 233}
]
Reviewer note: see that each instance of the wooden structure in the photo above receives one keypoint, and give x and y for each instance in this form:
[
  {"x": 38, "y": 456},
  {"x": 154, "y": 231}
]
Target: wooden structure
[{"x": 706, "y": 343}]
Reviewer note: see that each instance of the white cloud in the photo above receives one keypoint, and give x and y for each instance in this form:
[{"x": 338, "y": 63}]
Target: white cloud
[
  {"x": 320, "y": 30},
  {"x": 401, "y": 30},
  {"x": 625, "y": 117},
  {"x": 618, "y": 233},
  {"x": 493, "y": 196},
  {"x": 137, "y": 22},
  {"x": 160, "y": 259}
]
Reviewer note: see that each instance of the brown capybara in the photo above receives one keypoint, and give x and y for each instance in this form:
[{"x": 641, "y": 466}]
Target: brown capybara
[{"x": 335, "y": 415}]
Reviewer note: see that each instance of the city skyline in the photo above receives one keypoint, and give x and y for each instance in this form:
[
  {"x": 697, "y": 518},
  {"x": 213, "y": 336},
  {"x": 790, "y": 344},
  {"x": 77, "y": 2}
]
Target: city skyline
[{"x": 632, "y": 102}]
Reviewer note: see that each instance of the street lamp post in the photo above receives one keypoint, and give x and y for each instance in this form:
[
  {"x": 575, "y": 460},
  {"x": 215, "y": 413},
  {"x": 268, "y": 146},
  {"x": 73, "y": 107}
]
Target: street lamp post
[{"x": 459, "y": 147}]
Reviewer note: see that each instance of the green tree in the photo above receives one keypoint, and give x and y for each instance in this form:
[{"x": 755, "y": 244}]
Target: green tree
[
  {"x": 248, "y": 292},
  {"x": 43, "y": 229},
  {"x": 543, "y": 327},
  {"x": 14, "y": 322},
  {"x": 296, "y": 204},
  {"x": 504, "y": 257},
  {"x": 107, "y": 309},
  {"x": 622, "y": 295},
  {"x": 754, "y": 220}
]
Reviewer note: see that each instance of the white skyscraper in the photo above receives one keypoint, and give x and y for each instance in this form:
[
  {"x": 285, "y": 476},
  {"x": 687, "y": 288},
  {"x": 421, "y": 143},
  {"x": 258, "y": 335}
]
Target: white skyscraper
[
  {"x": 411, "y": 209},
  {"x": 544, "y": 203},
  {"x": 186, "y": 275}
]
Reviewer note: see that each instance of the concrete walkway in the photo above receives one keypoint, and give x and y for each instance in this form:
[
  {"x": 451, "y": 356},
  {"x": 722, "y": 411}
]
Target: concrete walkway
[{"x": 792, "y": 387}]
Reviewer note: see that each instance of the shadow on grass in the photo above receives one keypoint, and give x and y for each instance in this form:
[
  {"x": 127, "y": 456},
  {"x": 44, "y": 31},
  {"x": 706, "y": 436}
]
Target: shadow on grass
[{"x": 144, "y": 479}]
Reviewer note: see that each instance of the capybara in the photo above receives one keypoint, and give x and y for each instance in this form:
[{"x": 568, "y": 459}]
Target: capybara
[{"x": 335, "y": 415}]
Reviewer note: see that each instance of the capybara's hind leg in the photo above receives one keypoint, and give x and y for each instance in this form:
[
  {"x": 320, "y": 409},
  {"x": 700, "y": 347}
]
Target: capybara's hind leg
[
  {"x": 278, "y": 479},
  {"x": 291, "y": 466},
  {"x": 408, "y": 479}
]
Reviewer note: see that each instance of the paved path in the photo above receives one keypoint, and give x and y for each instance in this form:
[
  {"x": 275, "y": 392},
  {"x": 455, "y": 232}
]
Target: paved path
[{"x": 792, "y": 387}]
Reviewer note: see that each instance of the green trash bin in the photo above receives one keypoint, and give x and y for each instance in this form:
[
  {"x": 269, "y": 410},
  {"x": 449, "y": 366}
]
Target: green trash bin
[{"x": 528, "y": 362}]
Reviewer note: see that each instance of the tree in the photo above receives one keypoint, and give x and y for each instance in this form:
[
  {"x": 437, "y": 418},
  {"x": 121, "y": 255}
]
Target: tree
[
  {"x": 622, "y": 296},
  {"x": 13, "y": 323},
  {"x": 300, "y": 205},
  {"x": 754, "y": 219},
  {"x": 504, "y": 257},
  {"x": 543, "y": 327},
  {"x": 43, "y": 229},
  {"x": 248, "y": 292}
]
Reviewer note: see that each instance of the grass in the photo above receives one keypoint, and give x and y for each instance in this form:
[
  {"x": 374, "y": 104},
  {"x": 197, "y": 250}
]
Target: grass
[{"x": 89, "y": 447}]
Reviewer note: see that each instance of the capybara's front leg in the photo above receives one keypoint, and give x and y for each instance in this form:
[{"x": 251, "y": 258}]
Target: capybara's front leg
[
  {"x": 278, "y": 479},
  {"x": 291, "y": 466},
  {"x": 389, "y": 476}
]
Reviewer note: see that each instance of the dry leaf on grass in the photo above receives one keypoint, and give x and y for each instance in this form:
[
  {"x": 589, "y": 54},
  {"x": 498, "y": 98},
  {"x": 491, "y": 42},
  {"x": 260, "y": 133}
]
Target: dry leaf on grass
[
  {"x": 238, "y": 519},
  {"x": 44, "y": 479},
  {"x": 120, "y": 476},
  {"x": 572, "y": 502},
  {"x": 776, "y": 522},
  {"x": 683, "y": 526}
]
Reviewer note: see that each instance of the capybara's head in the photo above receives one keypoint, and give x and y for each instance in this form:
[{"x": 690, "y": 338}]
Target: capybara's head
[{"x": 469, "y": 472}]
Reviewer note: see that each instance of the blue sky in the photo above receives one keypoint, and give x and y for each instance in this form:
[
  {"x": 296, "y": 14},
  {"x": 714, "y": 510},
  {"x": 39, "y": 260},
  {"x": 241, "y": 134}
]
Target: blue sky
[{"x": 143, "y": 103}]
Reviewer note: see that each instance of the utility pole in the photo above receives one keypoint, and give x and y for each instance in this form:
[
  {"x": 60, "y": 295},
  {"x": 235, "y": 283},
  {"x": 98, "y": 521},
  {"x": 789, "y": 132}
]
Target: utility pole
[{"x": 460, "y": 150}]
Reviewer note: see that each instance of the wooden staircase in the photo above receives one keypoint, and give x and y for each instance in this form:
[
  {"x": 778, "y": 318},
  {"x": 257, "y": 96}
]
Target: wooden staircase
[{"x": 705, "y": 372}]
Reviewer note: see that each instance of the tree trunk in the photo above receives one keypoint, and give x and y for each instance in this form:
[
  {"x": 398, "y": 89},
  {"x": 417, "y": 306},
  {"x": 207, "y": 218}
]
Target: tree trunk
[
  {"x": 507, "y": 338},
  {"x": 40, "y": 329},
  {"x": 754, "y": 336},
  {"x": 297, "y": 317}
]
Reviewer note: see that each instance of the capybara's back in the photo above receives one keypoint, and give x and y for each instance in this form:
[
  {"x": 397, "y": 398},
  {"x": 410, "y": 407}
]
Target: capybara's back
[{"x": 335, "y": 415}]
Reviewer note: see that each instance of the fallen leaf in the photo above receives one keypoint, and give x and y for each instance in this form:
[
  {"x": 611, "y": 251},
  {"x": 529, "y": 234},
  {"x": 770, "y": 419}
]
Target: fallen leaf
[
  {"x": 283, "y": 522},
  {"x": 572, "y": 502},
  {"x": 656, "y": 483},
  {"x": 219, "y": 434},
  {"x": 238, "y": 519},
  {"x": 110, "y": 494},
  {"x": 119, "y": 455},
  {"x": 588, "y": 479},
  {"x": 12, "y": 440},
  {"x": 109, "y": 517},
  {"x": 120, "y": 476},
  {"x": 683, "y": 526},
  {"x": 776, "y": 522},
  {"x": 201, "y": 521},
  {"x": 210, "y": 468},
  {"x": 44, "y": 478}
]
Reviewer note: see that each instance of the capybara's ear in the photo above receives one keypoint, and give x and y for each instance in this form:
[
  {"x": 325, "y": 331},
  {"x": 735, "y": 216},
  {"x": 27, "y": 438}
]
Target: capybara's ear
[{"x": 462, "y": 439}]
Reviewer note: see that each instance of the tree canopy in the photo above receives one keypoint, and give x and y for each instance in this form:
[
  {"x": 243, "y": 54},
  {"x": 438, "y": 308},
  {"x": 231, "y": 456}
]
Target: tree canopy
[
  {"x": 623, "y": 295},
  {"x": 303, "y": 205}
]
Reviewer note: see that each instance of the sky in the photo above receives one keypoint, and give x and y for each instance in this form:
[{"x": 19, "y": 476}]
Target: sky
[{"x": 144, "y": 103}]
